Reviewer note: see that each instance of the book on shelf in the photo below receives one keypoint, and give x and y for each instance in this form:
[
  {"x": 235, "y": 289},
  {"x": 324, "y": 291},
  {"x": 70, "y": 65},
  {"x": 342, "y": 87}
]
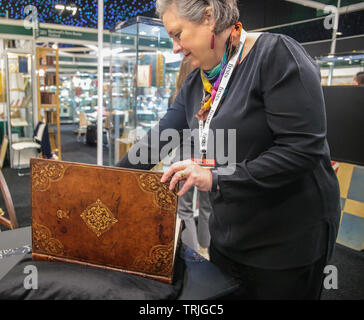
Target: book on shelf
[
  {"x": 144, "y": 75},
  {"x": 49, "y": 98},
  {"x": 105, "y": 217},
  {"x": 50, "y": 79},
  {"x": 51, "y": 117},
  {"x": 18, "y": 122},
  {"x": 157, "y": 63},
  {"x": 46, "y": 60}
]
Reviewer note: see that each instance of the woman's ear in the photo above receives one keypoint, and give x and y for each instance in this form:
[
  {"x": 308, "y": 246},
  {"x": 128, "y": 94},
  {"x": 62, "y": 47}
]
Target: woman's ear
[{"x": 209, "y": 18}]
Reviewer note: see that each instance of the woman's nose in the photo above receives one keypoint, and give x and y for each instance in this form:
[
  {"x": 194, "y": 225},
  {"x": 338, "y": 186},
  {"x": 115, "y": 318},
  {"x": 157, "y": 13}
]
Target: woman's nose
[{"x": 176, "y": 47}]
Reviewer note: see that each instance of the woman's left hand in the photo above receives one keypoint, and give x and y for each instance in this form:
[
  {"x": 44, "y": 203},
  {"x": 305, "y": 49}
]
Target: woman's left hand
[{"x": 192, "y": 173}]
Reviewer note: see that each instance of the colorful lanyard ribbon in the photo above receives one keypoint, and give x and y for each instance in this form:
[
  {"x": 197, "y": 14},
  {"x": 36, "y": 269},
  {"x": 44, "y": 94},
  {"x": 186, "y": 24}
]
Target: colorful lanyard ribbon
[
  {"x": 218, "y": 72},
  {"x": 223, "y": 82}
]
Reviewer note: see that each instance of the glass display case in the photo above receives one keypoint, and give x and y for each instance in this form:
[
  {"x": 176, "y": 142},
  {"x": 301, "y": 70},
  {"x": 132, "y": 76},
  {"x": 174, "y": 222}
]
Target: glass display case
[
  {"x": 19, "y": 105},
  {"x": 78, "y": 93},
  {"x": 143, "y": 72}
]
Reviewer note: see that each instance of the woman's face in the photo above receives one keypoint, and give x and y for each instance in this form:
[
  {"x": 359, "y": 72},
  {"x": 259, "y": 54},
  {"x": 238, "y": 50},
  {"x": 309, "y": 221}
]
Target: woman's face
[{"x": 191, "y": 39}]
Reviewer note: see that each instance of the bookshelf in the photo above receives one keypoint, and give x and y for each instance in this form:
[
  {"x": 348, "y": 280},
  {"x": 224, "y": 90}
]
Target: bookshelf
[{"x": 48, "y": 94}]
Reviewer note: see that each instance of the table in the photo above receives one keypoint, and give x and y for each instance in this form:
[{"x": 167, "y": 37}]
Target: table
[{"x": 202, "y": 279}]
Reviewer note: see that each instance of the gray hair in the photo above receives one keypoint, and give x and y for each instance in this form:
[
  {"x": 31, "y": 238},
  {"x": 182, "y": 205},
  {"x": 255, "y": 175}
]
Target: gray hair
[{"x": 225, "y": 12}]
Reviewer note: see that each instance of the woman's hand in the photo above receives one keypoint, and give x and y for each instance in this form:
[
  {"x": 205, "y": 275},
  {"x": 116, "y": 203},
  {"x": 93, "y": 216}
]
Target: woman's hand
[{"x": 194, "y": 175}]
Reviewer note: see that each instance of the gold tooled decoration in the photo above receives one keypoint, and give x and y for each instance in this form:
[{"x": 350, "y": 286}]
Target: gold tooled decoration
[
  {"x": 62, "y": 214},
  {"x": 43, "y": 241},
  {"x": 98, "y": 217},
  {"x": 163, "y": 197},
  {"x": 159, "y": 261},
  {"x": 43, "y": 173}
]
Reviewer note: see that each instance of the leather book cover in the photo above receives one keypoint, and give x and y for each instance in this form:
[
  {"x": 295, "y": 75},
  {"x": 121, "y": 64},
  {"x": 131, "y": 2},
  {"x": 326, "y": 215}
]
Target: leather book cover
[{"x": 107, "y": 217}]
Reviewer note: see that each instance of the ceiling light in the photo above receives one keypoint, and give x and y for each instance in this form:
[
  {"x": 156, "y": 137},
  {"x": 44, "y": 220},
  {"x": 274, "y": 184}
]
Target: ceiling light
[
  {"x": 72, "y": 8},
  {"x": 60, "y": 7}
]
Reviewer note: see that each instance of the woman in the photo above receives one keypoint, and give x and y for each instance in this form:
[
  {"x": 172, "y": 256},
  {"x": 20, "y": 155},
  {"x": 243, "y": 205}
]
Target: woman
[
  {"x": 359, "y": 79},
  {"x": 276, "y": 210}
]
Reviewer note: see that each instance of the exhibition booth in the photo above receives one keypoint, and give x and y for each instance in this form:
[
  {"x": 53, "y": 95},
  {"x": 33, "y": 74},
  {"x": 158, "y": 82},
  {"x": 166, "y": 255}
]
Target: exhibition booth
[{"x": 49, "y": 100}]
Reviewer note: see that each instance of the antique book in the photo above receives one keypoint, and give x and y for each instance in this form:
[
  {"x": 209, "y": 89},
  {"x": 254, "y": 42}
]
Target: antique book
[
  {"x": 107, "y": 217},
  {"x": 144, "y": 75},
  {"x": 157, "y": 67}
]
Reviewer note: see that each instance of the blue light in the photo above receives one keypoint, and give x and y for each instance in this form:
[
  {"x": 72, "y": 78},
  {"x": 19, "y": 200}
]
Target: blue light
[{"x": 115, "y": 11}]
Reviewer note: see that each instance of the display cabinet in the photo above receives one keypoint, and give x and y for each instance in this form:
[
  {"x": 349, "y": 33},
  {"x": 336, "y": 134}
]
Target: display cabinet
[
  {"x": 48, "y": 94},
  {"x": 19, "y": 106},
  {"x": 143, "y": 73},
  {"x": 78, "y": 93},
  {"x": 66, "y": 99}
]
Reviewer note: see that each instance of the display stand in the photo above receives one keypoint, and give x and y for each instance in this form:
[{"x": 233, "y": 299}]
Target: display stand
[
  {"x": 48, "y": 95},
  {"x": 19, "y": 107}
]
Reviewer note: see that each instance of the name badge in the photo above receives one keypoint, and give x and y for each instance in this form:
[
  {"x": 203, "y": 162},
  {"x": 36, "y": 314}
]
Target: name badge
[{"x": 207, "y": 163}]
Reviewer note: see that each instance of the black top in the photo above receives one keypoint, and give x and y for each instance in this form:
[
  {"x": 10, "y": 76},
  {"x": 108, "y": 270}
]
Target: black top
[{"x": 280, "y": 208}]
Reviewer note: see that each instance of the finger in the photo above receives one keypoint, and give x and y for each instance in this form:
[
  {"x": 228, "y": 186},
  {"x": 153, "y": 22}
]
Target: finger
[
  {"x": 178, "y": 177},
  {"x": 170, "y": 171},
  {"x": 178, "y": 166},
  {"x": 186, "y": 186}
]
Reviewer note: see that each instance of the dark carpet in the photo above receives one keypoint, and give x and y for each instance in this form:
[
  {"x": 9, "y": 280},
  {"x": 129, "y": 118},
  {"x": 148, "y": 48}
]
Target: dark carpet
[{"x": 349, "y": 263}]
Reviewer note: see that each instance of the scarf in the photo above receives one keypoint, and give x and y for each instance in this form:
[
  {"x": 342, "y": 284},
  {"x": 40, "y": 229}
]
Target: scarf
[{"x": 211, "y": 79}]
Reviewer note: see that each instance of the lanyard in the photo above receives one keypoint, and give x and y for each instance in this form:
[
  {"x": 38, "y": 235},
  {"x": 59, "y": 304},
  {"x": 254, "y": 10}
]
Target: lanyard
[{"x": 204, "y": 128}]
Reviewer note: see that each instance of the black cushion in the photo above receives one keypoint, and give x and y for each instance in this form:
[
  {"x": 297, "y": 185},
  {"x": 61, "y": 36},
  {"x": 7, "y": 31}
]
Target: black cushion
[{"x": 64, "y": 281}]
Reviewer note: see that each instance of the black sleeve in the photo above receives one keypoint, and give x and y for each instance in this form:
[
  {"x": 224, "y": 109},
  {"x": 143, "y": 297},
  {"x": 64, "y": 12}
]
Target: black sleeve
[
  {"x": 146, "y": 153},
  {"x": 295, "y": 112}
]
